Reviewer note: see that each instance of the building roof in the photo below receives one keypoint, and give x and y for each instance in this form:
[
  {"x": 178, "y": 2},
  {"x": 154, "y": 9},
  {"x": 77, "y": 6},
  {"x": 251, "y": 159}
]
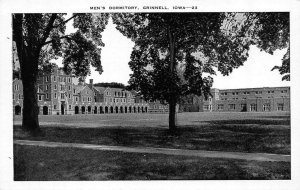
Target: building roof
[
  {"x": 79, "y": 88},
  {"x": 100, "y": 89}
]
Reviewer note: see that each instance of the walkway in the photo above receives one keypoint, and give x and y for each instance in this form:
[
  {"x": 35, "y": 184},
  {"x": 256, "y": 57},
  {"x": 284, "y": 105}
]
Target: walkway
[{"x": 167, "y": 151}]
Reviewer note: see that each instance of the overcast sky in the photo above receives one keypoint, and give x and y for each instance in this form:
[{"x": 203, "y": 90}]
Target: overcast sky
[{"x": 256, "y": 71}]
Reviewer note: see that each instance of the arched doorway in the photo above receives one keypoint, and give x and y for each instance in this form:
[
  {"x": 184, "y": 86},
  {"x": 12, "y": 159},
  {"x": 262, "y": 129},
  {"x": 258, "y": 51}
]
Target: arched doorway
[
  {"x": 89, "y": 109},
  {"x": 18, "y": 110},
  {"x": 111, "y": 109},
  {"x": 125, "y": 109},
  {"x": 45, "y": 110},
  {"x": 101, "y": 109},
  {"x": 138, "y": 110},
  {"x": 106, "y": 109},
  {"x": 121, "y": 109},
  {"x": 129, "y": 109},
  {"x": 76, "y": 110},
  {"x": 95, "y": 110},
  {"x": 146, "y": 109},
  {"x": 134, "y": 109},
  {"x": 62, "y": 109},
  {"x": 83, "y": 110},
  {"x": 142, "y": 109},
  {"x": 117, "y": 110}
]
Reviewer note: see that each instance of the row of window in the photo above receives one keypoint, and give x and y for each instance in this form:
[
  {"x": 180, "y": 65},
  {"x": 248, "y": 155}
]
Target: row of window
[
  {"x": 16, "y": 87},
  {"x": 62, "y": 87},
  {"x": 119, "y": 94},
  {"x": 60, "y": 79},
  {"x": 247, "y": 93},
  {"x": 19, "y": 96},
  {"x": 253, "y": 107}
]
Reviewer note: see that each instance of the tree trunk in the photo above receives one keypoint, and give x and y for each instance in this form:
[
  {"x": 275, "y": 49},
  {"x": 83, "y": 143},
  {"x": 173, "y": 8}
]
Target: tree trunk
[
  {"x": 30, "y": 121},
  {"x": 172, "y": 115},
  {"x": 172, "y": 97}
]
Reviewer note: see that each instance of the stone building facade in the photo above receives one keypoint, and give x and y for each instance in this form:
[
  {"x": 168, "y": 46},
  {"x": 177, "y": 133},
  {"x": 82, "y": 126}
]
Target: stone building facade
[
  {"x": 266, "y": 99},
  {"x": 58, "y": 94}
]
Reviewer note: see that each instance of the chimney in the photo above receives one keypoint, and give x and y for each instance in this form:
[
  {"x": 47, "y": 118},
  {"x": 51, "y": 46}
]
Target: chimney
[{"x": 91, "y": 85}]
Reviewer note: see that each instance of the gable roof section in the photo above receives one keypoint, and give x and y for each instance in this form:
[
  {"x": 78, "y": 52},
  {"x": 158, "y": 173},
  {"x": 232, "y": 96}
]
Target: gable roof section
[{"x": 100, "y": 89}]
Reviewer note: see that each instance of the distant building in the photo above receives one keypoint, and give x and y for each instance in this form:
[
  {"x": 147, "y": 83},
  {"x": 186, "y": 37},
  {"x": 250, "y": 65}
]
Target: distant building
[
  {"x": 58, "y": 94},
  {"x": 264, "y": 99}
]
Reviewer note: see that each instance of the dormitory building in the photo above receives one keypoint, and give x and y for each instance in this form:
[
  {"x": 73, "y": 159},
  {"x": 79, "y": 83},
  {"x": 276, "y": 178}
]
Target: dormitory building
[{"x": 61, "y": 94}]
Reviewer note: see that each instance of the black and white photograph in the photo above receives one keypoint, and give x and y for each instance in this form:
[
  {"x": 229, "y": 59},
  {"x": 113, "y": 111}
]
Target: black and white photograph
[{"x": 169, "y": 93}]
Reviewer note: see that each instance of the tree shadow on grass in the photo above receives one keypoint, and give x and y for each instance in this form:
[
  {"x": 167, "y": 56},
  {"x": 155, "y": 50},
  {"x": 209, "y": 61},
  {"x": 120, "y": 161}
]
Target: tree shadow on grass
[
  {"x": 247, "y": 122},
  {"x": 217, "y": 136}
]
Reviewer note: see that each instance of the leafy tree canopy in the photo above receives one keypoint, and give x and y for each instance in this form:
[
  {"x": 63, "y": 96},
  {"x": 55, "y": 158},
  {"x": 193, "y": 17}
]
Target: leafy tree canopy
[
  {"x": 200, "y": 46},
  {"x": 40, "y": 38}
]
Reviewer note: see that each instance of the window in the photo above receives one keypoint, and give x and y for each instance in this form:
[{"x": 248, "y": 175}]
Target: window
[
  {"x": 40, "y": 97},
  {"x": 74, "y": 91},
  {"x": 19, "y": 97},
  {"x": 266, "y": 107},
  {"x": 205, "y": 107},
  {"x": 69, "y": 87},
  {"x": 106, "y": 93},
  {"x": 210, "y": 107},
  {"x": 232, "y": 106},
  {"x": 209, "y": 99},
  {"x": 69, "y": 96},
  {"x": 54, "y": 107},
  {"x": 124, "y": 100},
  {"x": 87, "y": 92},
  {"x": 62, "y": 96},
  {"x": 280, "y": 107},
  {"x": 47, "y": 96},
  {"x": 46, "y": 87},
  {"x": 220, "y": 106},
  {"x": 253, "y": 107},
  {"x": 55, "y": 87},
  {"x": 69, "y": 79},
  {"x": 61, "y": 87},
  {"x": 70, "y": 107},
  {"x": 54, "y": 78},
  {"x": 76, "y": 99},
  {"x": 47, "y": 78},
  {"x": 244, "y": 107},
  {"x": 55, "y": 95},
  {"x": 16, "y": 87}
]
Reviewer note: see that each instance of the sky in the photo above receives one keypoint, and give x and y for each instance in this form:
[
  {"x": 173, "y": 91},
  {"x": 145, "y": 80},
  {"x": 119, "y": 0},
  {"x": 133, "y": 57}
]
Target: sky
[{"x": 256, "y": 71}]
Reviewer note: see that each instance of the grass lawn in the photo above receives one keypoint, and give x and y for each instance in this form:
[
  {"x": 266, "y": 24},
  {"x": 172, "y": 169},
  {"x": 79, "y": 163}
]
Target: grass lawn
[
  {"x": 241, "y": 132},
  {"x": 43, "y": 163}
]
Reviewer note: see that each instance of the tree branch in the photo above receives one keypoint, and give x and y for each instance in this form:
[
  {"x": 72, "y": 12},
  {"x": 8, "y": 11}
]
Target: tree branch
[
  {"x": 50, "y": 41},
  {"x": 75, "y": 15},
  {"x": 48, "y": 29}
]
